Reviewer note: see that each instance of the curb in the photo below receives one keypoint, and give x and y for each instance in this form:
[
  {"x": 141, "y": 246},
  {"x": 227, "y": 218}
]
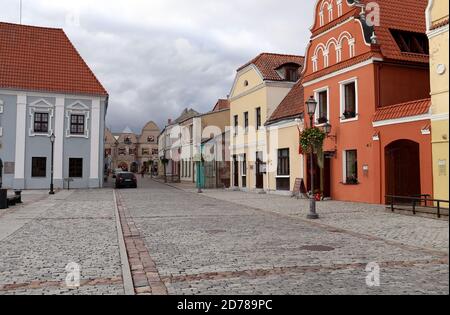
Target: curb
[{"x": 126, "y": 270}]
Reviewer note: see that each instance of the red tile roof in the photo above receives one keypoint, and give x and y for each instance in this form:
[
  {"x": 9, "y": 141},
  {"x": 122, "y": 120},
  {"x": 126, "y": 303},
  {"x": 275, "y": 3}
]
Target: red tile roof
[
  {"x": 292, "y": 106},
  {"x": 439, "y": 24},
  {"x": 268, "y": 63},
  {"x": 43, "y": 59},
  {"x": 406, "y": 15},
  {"x": 221, "y": 105},
  {"x": 409, "y": 109}
]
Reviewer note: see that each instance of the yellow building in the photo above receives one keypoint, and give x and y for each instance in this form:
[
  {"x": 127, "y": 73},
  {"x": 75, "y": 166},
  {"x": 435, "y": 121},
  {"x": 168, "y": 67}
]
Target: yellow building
[
  {"x": 259, "y": 88},
  {"x": 437, "y": 27}
]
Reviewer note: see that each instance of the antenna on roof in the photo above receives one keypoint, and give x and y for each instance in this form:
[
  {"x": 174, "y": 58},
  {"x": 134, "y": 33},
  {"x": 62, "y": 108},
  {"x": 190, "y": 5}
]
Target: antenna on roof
[{"x": 20, "y": 11}]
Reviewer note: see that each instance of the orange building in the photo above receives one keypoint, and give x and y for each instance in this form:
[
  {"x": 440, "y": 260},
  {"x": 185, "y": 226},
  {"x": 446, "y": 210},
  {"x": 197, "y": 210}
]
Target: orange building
[{"x": 367, "y": 67}]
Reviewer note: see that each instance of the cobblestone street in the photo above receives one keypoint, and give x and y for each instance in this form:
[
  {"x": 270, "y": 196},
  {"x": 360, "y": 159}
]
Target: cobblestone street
[{"x": 219, "y": 242}]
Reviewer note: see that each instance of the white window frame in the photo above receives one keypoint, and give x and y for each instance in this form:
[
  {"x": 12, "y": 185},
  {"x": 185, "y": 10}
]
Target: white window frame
[
  {"x": 344, "y": 165},
  {"x": 1, "y": 107},
  {"x": 342, "y": 85},
  {"x": 316, "y": 96},
  {"x": 78, "y": 108},
  {"x": 41, "y": 106}
]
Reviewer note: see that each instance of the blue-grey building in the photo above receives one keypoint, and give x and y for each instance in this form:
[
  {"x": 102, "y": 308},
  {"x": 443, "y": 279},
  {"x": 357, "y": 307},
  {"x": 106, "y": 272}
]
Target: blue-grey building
[{"x": 46, "y": 88}]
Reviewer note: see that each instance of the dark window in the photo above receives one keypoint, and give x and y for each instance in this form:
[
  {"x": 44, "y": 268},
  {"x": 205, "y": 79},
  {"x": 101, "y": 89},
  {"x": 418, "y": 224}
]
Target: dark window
[
  {"x": 258, "y": 118},
  {"x": 75, "y": 168},
  {"x": 283, "y": 163},
  {"x": 351, "y": 167},
  {"x": 291, "y": 74},
  {"x": 41, "y": 122},
  {"x": 122, "y": 152},
  {"x": 236, "y": 124},
  {"x": 323, "y": 107},
  {"x": 350, "y": 100},
  {"x": 77, "y": 124},
  {"x": 151, "y": 139},
  {"x": 411, "y": 42},
  {"x": 39, "y": 167},
  {"x": 246, "y": 121},
  {"x": 155, "y": 152},
  {"x": 145, "y": 151}
]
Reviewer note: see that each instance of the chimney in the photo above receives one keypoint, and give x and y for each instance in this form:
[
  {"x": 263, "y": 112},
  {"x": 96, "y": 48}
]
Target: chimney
[{"x": 169, "y": 121}]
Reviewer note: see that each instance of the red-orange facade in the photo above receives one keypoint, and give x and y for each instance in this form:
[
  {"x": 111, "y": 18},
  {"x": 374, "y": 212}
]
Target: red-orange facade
[{"x": 367, "y": 66}]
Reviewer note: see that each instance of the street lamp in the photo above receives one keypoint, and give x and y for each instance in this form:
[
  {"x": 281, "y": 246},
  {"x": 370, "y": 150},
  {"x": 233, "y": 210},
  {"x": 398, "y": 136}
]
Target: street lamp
[
  {"x": 52, "y": 140},
  {"x": 327, "y": 129},
  {"x": 311, "y": 105}
]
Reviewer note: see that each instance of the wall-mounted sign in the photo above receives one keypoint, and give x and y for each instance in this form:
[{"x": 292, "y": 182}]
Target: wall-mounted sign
[
  {"x": 8, "y": 168},
  {"x": 365, "y": 169},
  {"x": 442, "y": 167}
]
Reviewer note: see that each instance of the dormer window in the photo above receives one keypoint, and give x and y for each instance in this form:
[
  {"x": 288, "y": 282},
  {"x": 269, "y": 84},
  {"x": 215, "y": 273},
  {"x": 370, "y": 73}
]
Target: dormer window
[
  {"x": 289, "y": 72},
  {"x": 411, "y": 42}
]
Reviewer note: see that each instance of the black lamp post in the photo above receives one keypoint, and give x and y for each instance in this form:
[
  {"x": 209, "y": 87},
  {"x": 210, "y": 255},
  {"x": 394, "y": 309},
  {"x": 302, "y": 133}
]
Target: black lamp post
[
  {"x": 52, "y": 140},
  {"x": 311, "y": 105}
]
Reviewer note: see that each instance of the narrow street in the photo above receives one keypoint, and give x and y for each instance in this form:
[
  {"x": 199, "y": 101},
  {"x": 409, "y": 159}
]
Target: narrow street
[{"x": 180, "y": 242}]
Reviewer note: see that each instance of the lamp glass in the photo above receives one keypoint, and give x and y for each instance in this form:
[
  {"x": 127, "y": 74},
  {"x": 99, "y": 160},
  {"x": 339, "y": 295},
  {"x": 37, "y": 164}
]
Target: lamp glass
[
  {"x": 327, "y": 128},
  {"x": 52, "y": 138},
  {"x": 312, "y": 105}
]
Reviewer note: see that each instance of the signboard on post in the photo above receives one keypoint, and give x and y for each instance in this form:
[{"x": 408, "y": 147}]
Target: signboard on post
[{"x": 300, "y": 189}]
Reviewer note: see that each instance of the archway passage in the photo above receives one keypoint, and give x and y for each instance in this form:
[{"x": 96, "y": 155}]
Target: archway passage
[
  {"x": 403, "y": 169},
  {"x": 134, "y": 167}
]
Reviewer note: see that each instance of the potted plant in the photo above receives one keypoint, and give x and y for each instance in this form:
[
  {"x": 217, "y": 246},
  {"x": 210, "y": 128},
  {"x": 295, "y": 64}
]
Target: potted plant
[
  {"x": 322, "y": 120},
  {"x": 349, "y": 114}
]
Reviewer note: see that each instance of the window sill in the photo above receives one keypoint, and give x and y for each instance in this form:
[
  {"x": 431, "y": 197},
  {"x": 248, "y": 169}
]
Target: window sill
[
  {"x": 350, "y": 184},
  {"x": 343, "y": 121}
]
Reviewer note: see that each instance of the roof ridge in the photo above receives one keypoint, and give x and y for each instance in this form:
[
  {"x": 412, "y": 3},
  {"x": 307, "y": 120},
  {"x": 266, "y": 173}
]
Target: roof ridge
[{"x": 33, "y": 26}]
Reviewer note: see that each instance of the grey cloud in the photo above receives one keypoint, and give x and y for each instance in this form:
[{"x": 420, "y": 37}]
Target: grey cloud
[{"x": 157, "y": 57}]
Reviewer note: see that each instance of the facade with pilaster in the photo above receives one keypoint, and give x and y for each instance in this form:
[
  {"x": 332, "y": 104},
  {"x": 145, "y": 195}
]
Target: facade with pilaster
[{"x": 46, "y": 88}]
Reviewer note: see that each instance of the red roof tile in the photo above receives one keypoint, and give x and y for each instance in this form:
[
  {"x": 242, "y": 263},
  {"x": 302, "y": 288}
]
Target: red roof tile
[
  {"x": 292, "y": 105},
  {"x": 439, "y": 24},
  {"x": 221, "y": 105},
  {"x": 406, "y": 15},
  {"x": 268, "y": 63},
  {"x": 43, "y": 59},
  {"x": 409, "y": 109}
]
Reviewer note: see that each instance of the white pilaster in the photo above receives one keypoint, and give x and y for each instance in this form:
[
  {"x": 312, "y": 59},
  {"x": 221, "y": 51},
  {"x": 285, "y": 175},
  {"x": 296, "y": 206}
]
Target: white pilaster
[
  {"x": 21, "y": 121},
  {"x": 59, "y": 140},
  {"x": 95, "y": 141}
]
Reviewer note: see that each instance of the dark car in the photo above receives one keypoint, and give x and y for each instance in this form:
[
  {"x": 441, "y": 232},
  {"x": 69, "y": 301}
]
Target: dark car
[{"x": 126, "y": 180}]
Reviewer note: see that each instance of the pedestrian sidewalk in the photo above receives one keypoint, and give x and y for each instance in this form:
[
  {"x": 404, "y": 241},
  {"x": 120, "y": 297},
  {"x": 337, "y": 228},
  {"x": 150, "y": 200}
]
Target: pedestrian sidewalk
[{"x": 368, "y": 220}]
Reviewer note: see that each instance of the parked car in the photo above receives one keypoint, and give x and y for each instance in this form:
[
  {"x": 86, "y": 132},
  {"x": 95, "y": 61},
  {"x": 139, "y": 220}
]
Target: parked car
[
  {"x": 116, "y": 171},
  {"x": 126, "y": 180}
]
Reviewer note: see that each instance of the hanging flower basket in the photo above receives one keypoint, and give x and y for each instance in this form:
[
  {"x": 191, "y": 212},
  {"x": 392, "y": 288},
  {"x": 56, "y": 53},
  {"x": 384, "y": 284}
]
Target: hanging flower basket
[{"x": 312, "y": 139}]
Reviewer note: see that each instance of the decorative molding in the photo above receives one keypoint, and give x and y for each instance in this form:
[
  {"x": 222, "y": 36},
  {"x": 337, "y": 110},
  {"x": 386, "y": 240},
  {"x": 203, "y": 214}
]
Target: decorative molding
[
  {"x": 21, "y": 121},
  {"x": 41, "y": 106},
  {"x": 439, "y": 117},
  {"x": 401, "y": 120},
  {"x": 343, "y": 71},
  {"x": 78, "y": 108},
  {"x": 95, "y": 141},
  {"x": 342, "y": 85}
]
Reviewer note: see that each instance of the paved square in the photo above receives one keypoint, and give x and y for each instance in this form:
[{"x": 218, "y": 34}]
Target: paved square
[{"x": 220, "y": 242}]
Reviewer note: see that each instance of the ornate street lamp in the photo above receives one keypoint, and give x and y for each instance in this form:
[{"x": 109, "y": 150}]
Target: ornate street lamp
[
  {"x": 311, "y": 105},
  {"x": 327, "y": 129},
  {"x": 52, "y": 140}
]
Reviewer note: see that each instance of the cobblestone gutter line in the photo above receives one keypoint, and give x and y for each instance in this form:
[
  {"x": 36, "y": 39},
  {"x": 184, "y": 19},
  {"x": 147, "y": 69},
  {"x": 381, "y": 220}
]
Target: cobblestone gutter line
[
  {"x": 145, "y": 275},
  {"x": 58, "y": 284},
  {"x": 261, "y": 273}
]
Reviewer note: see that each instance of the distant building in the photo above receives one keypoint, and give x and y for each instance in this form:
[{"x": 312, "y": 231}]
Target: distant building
[
  {"x": 132, "y": 152},
  {"x": 47, "y": 89}
]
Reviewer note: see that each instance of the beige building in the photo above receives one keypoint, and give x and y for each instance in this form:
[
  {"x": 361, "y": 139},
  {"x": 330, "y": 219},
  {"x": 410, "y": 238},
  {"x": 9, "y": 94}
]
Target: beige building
[
  {"x": 284, "y": 127},
  {"x": 132, "y": 152},
  {"x": 259, "y": 88},
  {"x": 437, "y": 29}
]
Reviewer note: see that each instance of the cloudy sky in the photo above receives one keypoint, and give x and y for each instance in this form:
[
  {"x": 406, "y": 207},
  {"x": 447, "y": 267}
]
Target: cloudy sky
[{"x": 157, "y": 57}]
